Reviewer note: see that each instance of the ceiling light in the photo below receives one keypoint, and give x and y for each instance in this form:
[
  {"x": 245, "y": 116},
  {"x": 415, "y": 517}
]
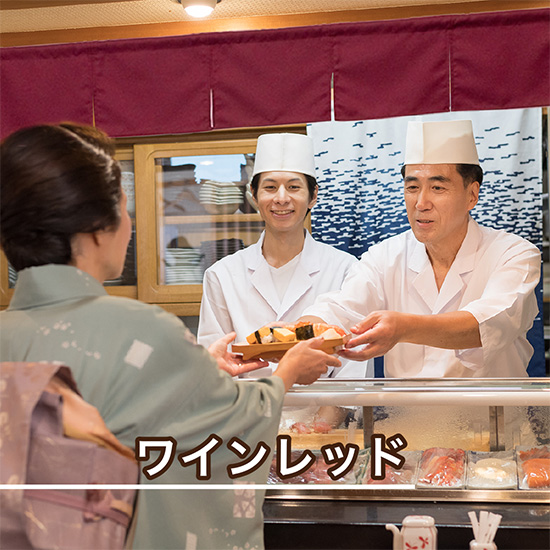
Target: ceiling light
[{"x": 199, "y": 8}]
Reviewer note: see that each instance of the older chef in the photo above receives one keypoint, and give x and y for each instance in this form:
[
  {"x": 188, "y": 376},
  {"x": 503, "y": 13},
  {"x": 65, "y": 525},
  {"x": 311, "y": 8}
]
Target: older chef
[
  {"x": 279, "y": 276},
  {"x": 447, "y": 298}
]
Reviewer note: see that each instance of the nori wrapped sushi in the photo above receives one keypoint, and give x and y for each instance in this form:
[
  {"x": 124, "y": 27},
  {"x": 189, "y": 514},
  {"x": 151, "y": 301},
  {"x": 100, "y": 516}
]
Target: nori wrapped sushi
[{"x": 304, "y": 332}]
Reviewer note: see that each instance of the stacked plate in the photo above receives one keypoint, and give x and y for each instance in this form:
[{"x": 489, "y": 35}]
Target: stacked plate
[
  {"x": 182, "y": 199},
  {"x": 212, "y": 251},
  {"x": 183, "y": 266},
  {"x": 127, "y": 183},
  {"x": 12, "y": 276},
  {"x": 219, "y": 197}
]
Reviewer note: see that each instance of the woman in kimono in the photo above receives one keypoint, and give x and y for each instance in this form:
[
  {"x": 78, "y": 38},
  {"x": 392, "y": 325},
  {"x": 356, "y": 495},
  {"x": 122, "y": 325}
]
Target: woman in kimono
[
  {"x": 276, "y": 278},
  {"x": 64, "y": 227}
]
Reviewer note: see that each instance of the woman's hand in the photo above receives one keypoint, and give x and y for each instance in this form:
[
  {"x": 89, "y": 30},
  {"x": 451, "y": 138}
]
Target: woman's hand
[
  {"x": 230, "y": 362},
  {"x": 305, "y": 362}
]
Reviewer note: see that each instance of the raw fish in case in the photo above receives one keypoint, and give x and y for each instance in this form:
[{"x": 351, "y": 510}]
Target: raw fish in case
[
  {"x": 406, "y": 475},
  {"x": 533, "y": 467},
  {"x": 442, "y": 467},
  {"x": 317, "y": 473},
  {"x": 494, "y": 470}
]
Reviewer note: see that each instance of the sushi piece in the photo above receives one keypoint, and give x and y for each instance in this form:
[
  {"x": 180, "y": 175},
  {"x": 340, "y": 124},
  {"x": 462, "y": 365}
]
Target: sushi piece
[
  {"x": 261, "y": 336},
  {"x": 320, "y": 328},
  {"x": 304, "y": 331},
  {"x": 300, "y": 428},
  {"x": 283, "y": 335},
  {"x": 330, "y": 334}
]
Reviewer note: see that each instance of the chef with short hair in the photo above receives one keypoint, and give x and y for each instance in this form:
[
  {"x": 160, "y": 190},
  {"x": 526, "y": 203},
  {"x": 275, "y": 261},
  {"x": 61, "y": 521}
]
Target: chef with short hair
[
  {"x": 276, "y": 278},
  {"x": 448, "y": 297}
]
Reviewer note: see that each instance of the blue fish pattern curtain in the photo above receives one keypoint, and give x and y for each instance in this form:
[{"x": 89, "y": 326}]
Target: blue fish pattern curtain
[{"x": 358, "y": 167}]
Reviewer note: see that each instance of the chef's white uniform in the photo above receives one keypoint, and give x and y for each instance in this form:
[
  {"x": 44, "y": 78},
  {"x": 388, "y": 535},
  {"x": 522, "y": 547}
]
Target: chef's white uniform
[
  {"x": 239, "y": 294},
  {"x": 493, "y": 277}
]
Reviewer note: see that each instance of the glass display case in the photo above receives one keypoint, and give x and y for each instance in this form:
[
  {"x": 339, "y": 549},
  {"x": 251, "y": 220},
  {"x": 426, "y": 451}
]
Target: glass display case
[
  {"x": 464, "y": 439},
  {"x": 489, "y": 437}
]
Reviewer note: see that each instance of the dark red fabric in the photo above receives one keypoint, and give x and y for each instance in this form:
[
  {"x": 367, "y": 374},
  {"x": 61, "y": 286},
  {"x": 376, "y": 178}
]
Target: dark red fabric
[
  {"x": 261, "y": 78},
  {"x": 45, "y": 84},
  {"x": 501, "y": 60},
  {"x": 153, "y": 86},
  {"x": 271, "y": 78},
  {"x": 391, "y": 68}
]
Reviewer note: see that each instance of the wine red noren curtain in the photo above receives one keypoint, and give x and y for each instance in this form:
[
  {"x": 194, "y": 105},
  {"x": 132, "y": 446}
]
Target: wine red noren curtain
[
  {"x": 45, "y": 85},
  {"x": 148, "y": 87},
  {"x": 195, "y": 83},
  {"x": 392, "y": 68},
  {"x": 501, "y": 61},
  {"x": 268, "y": 78}
]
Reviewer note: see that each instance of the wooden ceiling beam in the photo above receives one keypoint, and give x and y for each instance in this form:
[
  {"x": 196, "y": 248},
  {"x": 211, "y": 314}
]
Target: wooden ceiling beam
[
  {"x": 31, "y": 4},
  {"x": 260, "y": 22}
]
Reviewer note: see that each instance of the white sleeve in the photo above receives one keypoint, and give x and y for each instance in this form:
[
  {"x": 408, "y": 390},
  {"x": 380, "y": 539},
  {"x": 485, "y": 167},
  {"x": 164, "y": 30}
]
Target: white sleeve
[
  {"x": 361, "y": 293},
  {"x": 214, "y": 318},
  {"x": 508, "y": 305}
]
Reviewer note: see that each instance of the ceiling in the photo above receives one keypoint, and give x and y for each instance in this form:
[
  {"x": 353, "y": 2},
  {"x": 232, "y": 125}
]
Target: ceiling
[{"x": 18, "y": 16}]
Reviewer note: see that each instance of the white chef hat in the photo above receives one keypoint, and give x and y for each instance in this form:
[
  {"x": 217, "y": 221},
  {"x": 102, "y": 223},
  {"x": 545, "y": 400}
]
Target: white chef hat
[
  {"x": 441, "y": 142},
  {"x": 284, "y": 153}
]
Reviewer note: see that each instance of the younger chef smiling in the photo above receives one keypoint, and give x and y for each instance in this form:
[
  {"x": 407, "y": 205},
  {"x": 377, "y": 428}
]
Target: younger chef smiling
[{"x": 276, "y": 278}]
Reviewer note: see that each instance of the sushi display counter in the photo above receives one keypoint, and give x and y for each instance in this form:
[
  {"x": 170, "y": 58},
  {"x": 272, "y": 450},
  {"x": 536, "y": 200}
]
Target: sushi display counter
[{"x": 479, "y": 444}]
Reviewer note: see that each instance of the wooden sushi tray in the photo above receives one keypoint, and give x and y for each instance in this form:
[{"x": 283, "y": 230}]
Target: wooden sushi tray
[{"x": 275, "y": 350}]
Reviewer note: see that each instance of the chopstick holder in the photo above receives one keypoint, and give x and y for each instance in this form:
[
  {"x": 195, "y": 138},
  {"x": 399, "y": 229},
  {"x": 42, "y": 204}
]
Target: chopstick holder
[{"x": 484, "y": 530}]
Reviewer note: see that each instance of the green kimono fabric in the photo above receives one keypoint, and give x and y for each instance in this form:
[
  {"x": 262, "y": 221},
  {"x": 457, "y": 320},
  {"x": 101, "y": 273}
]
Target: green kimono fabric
[{"x": 141, "y": 368}]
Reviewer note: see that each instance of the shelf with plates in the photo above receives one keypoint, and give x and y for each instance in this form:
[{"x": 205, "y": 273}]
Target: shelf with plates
[{"x": 193, "y": 207}]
